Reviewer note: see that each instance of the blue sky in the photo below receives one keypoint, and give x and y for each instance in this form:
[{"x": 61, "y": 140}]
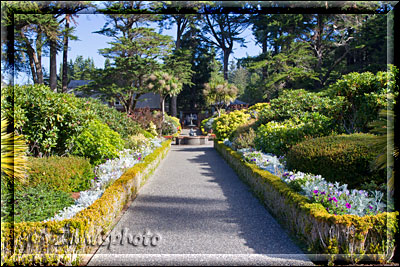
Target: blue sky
[{"x": 89, "y": 44}]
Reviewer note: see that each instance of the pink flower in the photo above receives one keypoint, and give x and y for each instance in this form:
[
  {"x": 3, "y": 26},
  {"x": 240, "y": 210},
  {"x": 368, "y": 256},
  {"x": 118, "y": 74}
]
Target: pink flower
[{"x": 348, "y": 205}]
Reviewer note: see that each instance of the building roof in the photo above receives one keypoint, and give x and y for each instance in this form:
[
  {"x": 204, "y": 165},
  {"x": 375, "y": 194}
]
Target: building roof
[
  {"x": 75, "y": 83},
  {"x": 150, "y": 100}
]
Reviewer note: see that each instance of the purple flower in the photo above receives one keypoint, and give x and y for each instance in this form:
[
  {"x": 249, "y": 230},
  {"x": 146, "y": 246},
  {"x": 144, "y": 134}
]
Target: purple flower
[
  {"x": 315, "y": 191},
  {"x": 370, "y": 207},
  {"x": 334, "y": 199},
  {"x": 323, "y": 193},
  {"x": 348, "y": 205},
  {"x": 95, "y": 178}
]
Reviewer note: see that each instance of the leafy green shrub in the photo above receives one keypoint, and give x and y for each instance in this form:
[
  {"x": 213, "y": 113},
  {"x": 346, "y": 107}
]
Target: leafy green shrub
[
  {"x": 49, "y": 121},
  {"x": 34, "y": 204},
  {"x": 341, "y": 158},
  {"x": 278, "y": 137},
  {"x": 244, "y": 136},
  {"x": 364, "y": 94},
  {"x": 97, "y": 142},
  {"x": 224, "y": 125},
  {"x": 68, "y": 174},
  {"x": 295, "y": 103},
  {"x": 116, "y": 120},
  {"x": 256, "y": 109}
]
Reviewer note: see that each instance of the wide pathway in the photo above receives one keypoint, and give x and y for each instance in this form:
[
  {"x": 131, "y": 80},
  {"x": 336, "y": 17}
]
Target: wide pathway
[{"x": 194, "y": 210}]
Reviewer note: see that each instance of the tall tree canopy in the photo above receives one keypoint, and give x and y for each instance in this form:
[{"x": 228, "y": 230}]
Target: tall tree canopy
[
  {"x": 133, "y": 58},
  {"x": 223, "y": 30}
]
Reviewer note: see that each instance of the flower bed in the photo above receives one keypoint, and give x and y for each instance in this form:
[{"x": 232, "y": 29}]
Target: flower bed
[
  {"x": 344, "y": 237},
  {"x": 336, "y": 198},
  {"x": 63, "y": 242}
]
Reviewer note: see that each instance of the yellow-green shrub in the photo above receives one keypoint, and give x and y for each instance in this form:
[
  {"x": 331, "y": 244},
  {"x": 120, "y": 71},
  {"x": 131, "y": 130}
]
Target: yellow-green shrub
[{"x": 224, "y": 125}]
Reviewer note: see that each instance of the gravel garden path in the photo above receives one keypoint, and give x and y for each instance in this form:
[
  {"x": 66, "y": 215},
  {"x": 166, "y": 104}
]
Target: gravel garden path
[{"x": 194, "y": 210}]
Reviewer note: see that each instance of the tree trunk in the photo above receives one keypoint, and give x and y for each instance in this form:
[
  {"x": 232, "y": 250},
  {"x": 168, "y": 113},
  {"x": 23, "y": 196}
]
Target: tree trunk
[
  {"x": 53, "y": 65},
  {"x": 226, "y": 62},
  {"x": 135, "y": 100},
  {"x": 38, "y": 59},
  {"x": 31, "y": 55},
  {"x": 174, "y": 98},
  {"x": 65, "y": 59}
]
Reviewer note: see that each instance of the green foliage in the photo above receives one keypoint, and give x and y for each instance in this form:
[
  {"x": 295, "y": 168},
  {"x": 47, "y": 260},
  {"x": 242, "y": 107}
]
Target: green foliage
[
  {"x": 277, "y": 137},
  {"x": 116, "y": 120},
  {"x": 226, "y": 124},
  {"x": 256, "y": 109},
  {"x": 49, "y": 121},
  {"x": 135, "y": 56},
  {"x": 292, "y": 69},
  {"x": 34, "y": 204},
  {"x": 68, "y": 174},
  {"x": 219, "y": 92},
  {"x": 254, "y": 91},
  {"x": 80, "y": 69},
  {"x": 13, "y": 155},
  {"x": 164, "y": 84},
  {"x": 295, "y": 103},
  {"x": 384, "y": 144},
  {"x": 244, "y": 136},
  {"x": 341, "y": 158},
  {"x": 364, "y": 94},
  {"x": 97, "y": 142}
]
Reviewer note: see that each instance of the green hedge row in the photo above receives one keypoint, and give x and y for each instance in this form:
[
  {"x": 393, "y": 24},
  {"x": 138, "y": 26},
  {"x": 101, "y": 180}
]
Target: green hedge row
[
  {"x": 63, "y": 242},
  {"x": 349, "y": 237},
  {"x": 342, "y": 158}
]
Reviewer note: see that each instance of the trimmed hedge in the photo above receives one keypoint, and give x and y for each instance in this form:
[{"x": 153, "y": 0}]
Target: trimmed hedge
[
  {"x": 342, "y": 158},
  {"x": 62, "y": 242},
  {"x": 68, "y": 174},
  {"x": 353, "y": 237}
]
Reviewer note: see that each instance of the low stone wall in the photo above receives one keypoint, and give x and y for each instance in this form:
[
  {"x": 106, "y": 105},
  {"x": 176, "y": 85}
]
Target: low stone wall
[
  {"x": 193, "y": 140},
  {"x": 328, "y": 237},
  {"x": 64, "y": 242}
]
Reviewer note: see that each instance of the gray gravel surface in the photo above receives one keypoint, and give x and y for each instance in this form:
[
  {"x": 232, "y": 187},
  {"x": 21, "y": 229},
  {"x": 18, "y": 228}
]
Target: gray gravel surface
[{"x": 195, "y": 210}]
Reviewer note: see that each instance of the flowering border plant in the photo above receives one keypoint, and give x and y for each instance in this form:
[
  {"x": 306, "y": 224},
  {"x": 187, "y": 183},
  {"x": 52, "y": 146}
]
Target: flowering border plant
[
  {"x": 105, "y": 175},
  {"x": 336, "y": 198}
]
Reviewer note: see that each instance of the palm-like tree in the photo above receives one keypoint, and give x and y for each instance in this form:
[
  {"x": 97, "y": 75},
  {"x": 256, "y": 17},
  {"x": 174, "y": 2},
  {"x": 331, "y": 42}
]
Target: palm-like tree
[
  {"x": 384, "y": 142},
  {"x": 13, "y": 158}
]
